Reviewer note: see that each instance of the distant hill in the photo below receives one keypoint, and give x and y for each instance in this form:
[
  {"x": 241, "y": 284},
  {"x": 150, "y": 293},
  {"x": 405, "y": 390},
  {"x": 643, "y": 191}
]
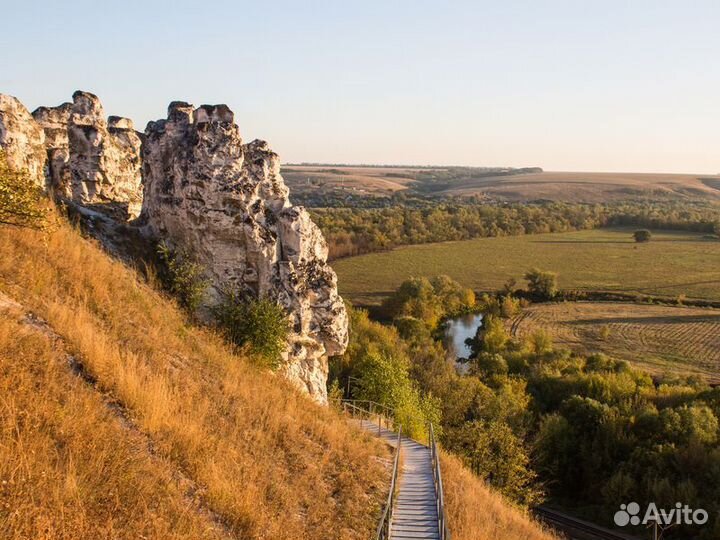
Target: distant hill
[{"x": 323, "y": 183}]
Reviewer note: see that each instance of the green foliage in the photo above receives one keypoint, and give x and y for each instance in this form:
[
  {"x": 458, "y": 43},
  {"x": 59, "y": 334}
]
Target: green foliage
[
  {"x": 542, "y": 285},
  {"x": 259, "y": 324},
  {"x": 182, "y": 277},
  {"x": 509, "y": 306},
  {"x": 429, "y": 300},
  {"x": 591, "y": 430},
  {"x": 496, "y": 454},
  {"x": 642, "y": 235},
  {"x": 490, "y": 365},
  {"x": 495, "y": 336},
  {"x": 22, "y": 202},
  {"x": 377, "y": 364},
  {"x": 353, "y": 231},
  {"x": 539, "y": 342}
]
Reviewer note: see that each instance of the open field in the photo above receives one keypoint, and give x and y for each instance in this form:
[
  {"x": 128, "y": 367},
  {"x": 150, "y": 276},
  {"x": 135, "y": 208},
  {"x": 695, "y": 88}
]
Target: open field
[
  {"x": 589, "y": 187},
  {"x": 603, "y": 259},
  {"x": 377, "y": 181},
  {"x": 658, "y": 338},
  {"x": 461, "y": 181}
]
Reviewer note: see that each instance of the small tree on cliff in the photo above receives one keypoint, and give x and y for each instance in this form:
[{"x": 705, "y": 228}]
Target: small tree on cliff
[
  {"x": 259, "y": 324},
  {"x": 22, "y": 202},
  {"x": 182, "y": 277},
  {"x": 642, "y": 235}
]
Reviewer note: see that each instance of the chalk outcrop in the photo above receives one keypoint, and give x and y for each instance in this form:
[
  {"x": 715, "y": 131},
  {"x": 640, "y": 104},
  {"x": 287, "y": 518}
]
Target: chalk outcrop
[
  {"x": 227, "y": 202},
  {"x": 22, "y": 140},
  {"x": 205, "y": 191},
  {"x": 92, "y": 159}
]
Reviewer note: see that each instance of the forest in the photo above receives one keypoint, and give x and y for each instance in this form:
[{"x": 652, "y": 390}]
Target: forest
[
  {"x": 537, "y": 422},
  {"x": 354, "y": 231}
]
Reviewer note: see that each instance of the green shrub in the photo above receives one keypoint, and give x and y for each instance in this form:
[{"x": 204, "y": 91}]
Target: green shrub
[
  {"x": 22, "y": 202},
  {"x": 259, "y": 324},
  {"x": 642, "y": 235},
  {"x": 182, "y": 277},
  {"x": 542, "y": 285}
]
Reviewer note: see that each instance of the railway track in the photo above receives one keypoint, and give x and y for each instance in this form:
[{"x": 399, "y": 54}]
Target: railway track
[{"x": 578, "y": 529}]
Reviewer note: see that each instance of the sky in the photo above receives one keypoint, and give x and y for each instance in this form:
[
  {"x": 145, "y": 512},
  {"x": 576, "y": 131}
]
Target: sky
[{"x": 565, "y": 85}]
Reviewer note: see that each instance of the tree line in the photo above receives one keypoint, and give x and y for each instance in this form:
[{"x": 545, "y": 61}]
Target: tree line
[{"x": 354, "y": 231}]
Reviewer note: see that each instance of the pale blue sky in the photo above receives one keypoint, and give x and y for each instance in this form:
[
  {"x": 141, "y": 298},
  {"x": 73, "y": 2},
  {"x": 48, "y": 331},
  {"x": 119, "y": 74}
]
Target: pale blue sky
[{"x": 566, "y": 85}]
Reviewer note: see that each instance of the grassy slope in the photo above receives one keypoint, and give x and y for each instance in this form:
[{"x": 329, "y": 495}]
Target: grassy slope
[
  {"x": 671, "y": 264},
  {"x": 177, "y": 437},
  {"x": 475, "y": 512},
  {"x": 267, "y": 462}
]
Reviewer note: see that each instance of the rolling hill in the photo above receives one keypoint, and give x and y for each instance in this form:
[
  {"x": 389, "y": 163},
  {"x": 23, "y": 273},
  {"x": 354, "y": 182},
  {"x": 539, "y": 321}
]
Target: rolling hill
[{"x": 491, "y": 184}]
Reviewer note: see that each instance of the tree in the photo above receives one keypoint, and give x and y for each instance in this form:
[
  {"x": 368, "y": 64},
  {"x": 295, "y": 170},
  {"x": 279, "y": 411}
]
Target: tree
[
  {"x": 386, "y": 380},
  {"x": 182, "y": 277},
  {"x": 260, "y": 324},
  {"x": 542, "y": 285},
  {"x": 495, "y": 336},
  {"x": 642, "y": 235},
  {"x": 497, "y": 455},
  {"x": 22, "y": 202}
]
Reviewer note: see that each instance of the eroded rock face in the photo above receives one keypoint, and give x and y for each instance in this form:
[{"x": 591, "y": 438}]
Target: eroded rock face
[
  {"x": 92, "y": 160},
  {"x": 225, "y": 201},
  {"x": 22, "y": 139}
]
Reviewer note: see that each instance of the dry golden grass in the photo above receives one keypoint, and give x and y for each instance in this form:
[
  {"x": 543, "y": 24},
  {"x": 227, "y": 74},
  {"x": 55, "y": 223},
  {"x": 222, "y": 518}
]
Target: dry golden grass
[
  {"x": 659, "y": 338},
  {"x": 68, "y": 467},
  {"x": 263, "y": 459},
  {"x": 475, "y": 512}
]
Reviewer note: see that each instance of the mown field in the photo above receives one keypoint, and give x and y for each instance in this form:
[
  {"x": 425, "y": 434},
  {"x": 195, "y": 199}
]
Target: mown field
[
  {"x": 658, "y": 338},
  {"x": 671, "y": 264}
]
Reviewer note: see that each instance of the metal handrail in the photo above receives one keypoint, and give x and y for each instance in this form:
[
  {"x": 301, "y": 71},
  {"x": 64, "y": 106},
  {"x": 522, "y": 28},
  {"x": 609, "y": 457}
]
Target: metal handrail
[
  {"x": 383, "y": 529},
  {"x": 439, "y": 496},
  {"x": 355, "y": 410}
]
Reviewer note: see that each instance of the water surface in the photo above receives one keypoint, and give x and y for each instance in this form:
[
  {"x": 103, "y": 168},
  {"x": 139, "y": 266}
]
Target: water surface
[{"x": 457, "y": 331}]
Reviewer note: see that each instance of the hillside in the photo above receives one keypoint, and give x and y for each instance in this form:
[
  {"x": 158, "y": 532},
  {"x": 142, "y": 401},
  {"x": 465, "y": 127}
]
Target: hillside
[
  {"x": 122, "y": 420},
  {"x": 318, "y": 183}
]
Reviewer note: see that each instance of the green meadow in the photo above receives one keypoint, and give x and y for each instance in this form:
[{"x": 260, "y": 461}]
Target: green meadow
[{"x": 671, "y": 264}]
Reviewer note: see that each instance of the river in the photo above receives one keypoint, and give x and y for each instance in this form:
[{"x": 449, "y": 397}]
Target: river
[{"x": 457, "y": 331}]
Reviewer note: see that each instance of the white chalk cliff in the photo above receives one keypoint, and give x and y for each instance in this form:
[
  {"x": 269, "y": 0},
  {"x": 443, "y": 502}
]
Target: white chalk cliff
[
  {"x": 227, "y": 203},
  {"x": 203, "y": 190}
]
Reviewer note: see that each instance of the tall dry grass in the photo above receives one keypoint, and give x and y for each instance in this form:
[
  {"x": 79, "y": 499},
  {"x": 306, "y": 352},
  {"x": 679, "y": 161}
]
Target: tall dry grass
[
  {"x": 265, "y": 460},
  {"x": 68, "y": 467},
  {"x": 475, "y": 511}
]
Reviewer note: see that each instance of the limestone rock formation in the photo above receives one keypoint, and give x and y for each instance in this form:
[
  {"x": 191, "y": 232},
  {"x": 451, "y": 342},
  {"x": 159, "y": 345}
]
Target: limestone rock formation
[
  {"x": 22, "y": 139},
  {"x": 54, "y": 122},
  {"x": 227, "y": 202},
  {"x": 91, "y": 159}
]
